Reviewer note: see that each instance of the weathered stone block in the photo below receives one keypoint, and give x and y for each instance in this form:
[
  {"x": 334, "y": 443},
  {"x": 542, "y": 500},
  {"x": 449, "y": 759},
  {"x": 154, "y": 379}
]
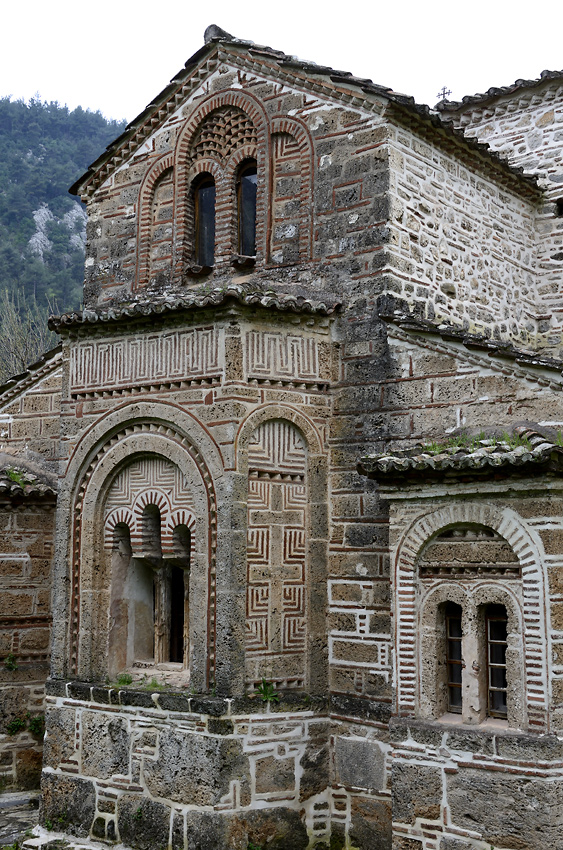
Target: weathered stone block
[
  {"x": 510, "y": 810},
  {"x": 194, "y": 769},
  {"x": 358, "y": 763},
  {"x": 68, "y": 803},
  {"x": 417, "y": 792},
  {"x": 105, "y": 744},
  {"x": 371, "y": 824},
  {"x": 143, "y": 823},
  {"x": 59, "y": 738},
  {"x": 28, "y": 769}
]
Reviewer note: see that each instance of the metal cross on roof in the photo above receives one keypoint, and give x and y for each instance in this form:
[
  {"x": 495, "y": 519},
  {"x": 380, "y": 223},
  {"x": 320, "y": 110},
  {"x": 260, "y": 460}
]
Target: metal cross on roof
[{"x": 443, "y": 93}]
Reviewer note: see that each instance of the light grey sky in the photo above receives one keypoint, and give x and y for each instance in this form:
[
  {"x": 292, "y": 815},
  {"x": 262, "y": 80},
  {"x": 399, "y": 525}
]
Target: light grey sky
[{"x": 116, "y": 56}]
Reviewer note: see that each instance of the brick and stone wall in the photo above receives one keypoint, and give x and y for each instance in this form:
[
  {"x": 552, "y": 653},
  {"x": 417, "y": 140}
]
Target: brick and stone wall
[
  {"x": 30, "y": 409},
  {"x": 26, "y": 554},
  {"x": 240, "y": 420}
]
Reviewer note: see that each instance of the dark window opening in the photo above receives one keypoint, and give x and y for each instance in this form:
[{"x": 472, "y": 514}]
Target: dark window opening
[
  {"x": 246, "y": 209},
  {"x": 496, "y": 625},
  {"x": 559, "y": 207},
  {"x": 204, "y": 210},
  {"x": 454, "y": 661},
  {"x": 177, "y": 614}
]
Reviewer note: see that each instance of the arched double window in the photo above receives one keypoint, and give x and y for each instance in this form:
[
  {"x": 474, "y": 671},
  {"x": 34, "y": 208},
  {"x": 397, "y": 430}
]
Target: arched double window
[
  {"x": 484, "y": 659},
  {"x": 206, "y": 200}
]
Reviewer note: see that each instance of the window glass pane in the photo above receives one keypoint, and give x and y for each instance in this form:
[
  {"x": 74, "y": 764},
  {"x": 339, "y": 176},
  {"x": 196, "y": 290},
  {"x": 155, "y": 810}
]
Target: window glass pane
[
  {"x": 453, "y": 656},
  {"x": 205, "y": 222},
  {"x": 247, "y": 210},
  {"x": 498, "y": 677},
  {"x": 454, "y": 626},
  {"x": 455, "y": 700},
  {"x": 497, "y": 703},
  {"x": 455, "y": 674},
  {"x": 454, "y": 650},
  {"x": 496, "y": 623},
  {"x": 497, "y": 630},
  {"x": 497, "y": 653}
]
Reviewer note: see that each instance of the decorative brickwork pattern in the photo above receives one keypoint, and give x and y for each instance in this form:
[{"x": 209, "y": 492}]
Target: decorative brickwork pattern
[
  {"x": 221, "y": 133},
  {"x": 149, "y": 481},
  {"x": 148, "y": 359},
  {"x": 277, "y": 556},
  {"x": 275, "y": 355}
]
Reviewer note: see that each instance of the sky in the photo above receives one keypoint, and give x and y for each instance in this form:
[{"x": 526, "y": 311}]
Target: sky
[{"x": 116, "y": 56}]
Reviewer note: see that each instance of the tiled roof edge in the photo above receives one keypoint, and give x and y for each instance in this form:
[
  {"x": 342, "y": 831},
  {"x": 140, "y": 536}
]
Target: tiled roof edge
[
  {"x": 475, "y": 342},
  {"x": 536, "y": 454},
  {"x": 151, "y": 118},
  {"x": 35, "y": 371},
  {"x": 266, "y": 299},
  {"x": 494, "y": 92}
]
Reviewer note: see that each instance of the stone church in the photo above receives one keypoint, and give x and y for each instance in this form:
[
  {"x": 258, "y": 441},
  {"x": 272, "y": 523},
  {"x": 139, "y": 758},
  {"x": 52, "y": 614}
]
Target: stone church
[{"x": 284, "y": 510}]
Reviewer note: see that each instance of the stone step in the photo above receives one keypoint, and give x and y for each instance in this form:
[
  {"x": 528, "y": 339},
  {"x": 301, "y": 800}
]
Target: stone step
[{"x": 44, "y": 839}]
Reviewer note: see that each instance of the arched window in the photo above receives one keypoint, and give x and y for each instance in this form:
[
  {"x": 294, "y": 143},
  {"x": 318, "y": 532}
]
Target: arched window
[
  {"x": 204, "y": 213},
  {"x": 247, "y": 180}
]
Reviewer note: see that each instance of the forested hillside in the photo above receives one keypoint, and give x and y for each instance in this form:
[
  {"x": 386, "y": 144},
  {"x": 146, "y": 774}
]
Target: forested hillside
[{"x": 44, "y": 148}]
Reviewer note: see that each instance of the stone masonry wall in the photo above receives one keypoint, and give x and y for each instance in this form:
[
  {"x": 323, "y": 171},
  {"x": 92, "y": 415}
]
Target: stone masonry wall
[
  {"x": 527, "y": 128},
  {"x": 30, "y": 411},
  {"x": 26, "y": 547},
  {"x": 461, "y": 247},
  {"x": 168, "y": 769},
  {"x": 451, "y": 787},
  {"x": 304, "y": 144}
]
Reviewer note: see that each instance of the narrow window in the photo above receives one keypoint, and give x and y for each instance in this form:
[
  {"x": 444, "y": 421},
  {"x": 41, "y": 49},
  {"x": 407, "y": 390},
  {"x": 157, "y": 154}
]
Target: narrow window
[
  {"x": 496, "y": 625},
  {"x": 453, "y": 656},
  {"x": 177, "y": 614},
  {"x": 179, "y": 583},
  {"x": 204, "y": 209},
  {"x": 246, "y": 209}
]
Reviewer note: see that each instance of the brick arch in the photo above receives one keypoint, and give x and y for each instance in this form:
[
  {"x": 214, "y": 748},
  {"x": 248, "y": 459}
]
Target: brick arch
[
  {"x": 120, "y": 516},
  {"x": 144, "y": 227},
  {"x": 527, "y": 547},
  {"x": 299, "y": 132},
  {"x": 252, "y": 107},
  {"x": 247, "y": 427},
  {"x": 98, "y": 463}
]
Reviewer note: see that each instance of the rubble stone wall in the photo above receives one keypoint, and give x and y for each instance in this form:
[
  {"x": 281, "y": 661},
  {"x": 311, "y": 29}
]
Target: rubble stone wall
[
  {"x": 461, "y": 246},
  {"x": 527, "y": 128}
]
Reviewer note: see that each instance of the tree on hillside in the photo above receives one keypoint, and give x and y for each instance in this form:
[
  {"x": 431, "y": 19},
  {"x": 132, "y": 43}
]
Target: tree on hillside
[
  {"x": 44, "y": 148},
  {"x": 24, "y": 335}
]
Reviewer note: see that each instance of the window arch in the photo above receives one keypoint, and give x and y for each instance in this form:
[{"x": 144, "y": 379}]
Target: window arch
[
  {"x": 246, "y": 186},
  {"x": 204, "y": 195}
]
